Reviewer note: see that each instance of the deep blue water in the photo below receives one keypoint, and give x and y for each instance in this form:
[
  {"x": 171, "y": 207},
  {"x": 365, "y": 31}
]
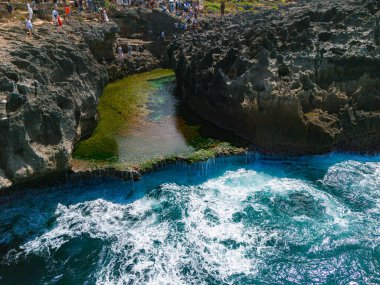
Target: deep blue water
[{"x": 312, "y": 220}]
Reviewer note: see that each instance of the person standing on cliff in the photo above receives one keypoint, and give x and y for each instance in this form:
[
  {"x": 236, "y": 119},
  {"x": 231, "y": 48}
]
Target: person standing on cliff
[
  {"x": 105, "y": 17},
  {"x": 30, "y": 11},
  {"x": 54, "y": 17},
  {"x": 121, "y": 53},
  {"x": 29, "y": 26},
  {"x": 222, "y": 9},
  {"x": 67, "y": 12},
  {"x": 101, "y": 14},
  {"x": 89, "y": 6},
  {"x": 10, "y": 8},
  {"x": 80, "y": 3}
]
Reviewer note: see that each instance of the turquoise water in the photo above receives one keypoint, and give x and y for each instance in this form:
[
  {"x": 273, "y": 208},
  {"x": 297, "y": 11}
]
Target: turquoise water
[{"x": 228, "y": 221}]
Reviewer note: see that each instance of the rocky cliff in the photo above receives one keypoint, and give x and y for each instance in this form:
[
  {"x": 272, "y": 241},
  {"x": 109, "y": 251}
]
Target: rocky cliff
[
  {"x": 303, "y": 79},
  {"x": 49, "y": 89},
  {"x": 139, "y": 28}
]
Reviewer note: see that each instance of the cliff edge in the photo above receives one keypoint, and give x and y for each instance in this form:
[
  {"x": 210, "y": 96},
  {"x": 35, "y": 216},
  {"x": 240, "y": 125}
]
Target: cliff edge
[
  {"x": 49, "y": 89},
  {"x": 301, "y": 80}
]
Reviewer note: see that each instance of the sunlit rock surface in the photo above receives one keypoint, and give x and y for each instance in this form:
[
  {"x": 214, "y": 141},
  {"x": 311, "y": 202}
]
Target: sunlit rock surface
[
  {"x": 49, "y": 88},
  {"x": 303, "y": 79}
]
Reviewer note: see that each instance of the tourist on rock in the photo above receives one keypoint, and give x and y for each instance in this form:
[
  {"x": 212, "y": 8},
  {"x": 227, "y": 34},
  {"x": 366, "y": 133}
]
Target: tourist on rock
[
  {"x": 101, "y": 14},
  {"x": 89, "y": 6},
  {"x": 161, "y": 37},
  {"x": 105, "y": 17},
  {"x": 30, "y": 11},
  {"x": 80, "y": 3},
  {"x": 34, "y": 6},
  {"x": 222, "y": 9},
  {"x": 10, "y": 8},
  {"x": 171, "y": 6},
  {"x": 120, "y": 52},
  {"x": 67, "y": 12},
  {"x": 200, "y": 7},
  {"x": 54, "y": 17},
  {"x": 129, "y": 50},
  {"x": 184, "y": 27},
  {"x": 29, "y": 26},
  {"x": 194, "y": 24}
]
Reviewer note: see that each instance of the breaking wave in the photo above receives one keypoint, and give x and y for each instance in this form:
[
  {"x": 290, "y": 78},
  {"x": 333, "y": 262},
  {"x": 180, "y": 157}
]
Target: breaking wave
[{"x": 306, "y": 221}]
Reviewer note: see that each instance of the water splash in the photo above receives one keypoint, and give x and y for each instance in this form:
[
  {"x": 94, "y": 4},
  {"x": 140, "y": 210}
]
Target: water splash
[{"x": 239, "y": 220}]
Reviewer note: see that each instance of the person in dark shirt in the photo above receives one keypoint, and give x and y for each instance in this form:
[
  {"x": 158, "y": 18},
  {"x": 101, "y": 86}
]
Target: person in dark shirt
[
  {"x": 222, "y": 8},
  {"x": 10, "y": 8},
  {"x": 80, "y": 2}
]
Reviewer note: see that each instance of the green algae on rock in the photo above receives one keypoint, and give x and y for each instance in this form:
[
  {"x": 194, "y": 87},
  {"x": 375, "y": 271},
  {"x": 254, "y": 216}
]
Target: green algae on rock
[
  {"x": 143, "y": 125},
  {"x": 121, "y": 103}
]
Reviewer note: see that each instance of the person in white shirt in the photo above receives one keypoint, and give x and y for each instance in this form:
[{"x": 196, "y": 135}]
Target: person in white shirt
[
  {"x": 120, "y": 52},
  {"x": 30, "y": 11},
  {"x": 54, "y": 16},
  {"x": 105, "y": 17}
]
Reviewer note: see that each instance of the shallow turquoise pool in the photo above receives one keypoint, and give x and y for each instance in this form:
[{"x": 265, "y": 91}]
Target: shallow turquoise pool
[{"x": 228, "y": 221}]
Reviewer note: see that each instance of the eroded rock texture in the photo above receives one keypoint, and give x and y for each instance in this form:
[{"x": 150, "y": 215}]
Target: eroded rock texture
[
  {"x": 49, "y": 89},
  {"x": 140, "y": 28},
  {"x": 303, "y": 79}
]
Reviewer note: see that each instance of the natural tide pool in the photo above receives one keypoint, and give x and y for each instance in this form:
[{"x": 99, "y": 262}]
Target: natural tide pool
[
  {"x": 236, "y": 220},
  {"x": 142, "y": 121}
]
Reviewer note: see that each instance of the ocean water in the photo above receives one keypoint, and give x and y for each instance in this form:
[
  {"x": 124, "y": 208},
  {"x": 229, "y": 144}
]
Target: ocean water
[{"x": 239, "y": 220}]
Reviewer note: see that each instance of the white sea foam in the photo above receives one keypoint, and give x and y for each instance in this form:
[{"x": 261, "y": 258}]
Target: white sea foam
[{"x": 190, "y": 234}]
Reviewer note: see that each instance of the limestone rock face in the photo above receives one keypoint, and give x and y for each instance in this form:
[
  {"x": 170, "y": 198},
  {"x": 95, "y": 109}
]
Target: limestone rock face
[
  {"x": 304, "y": 79},
  {"x": 49, "y": 89},
  {"x": 140, "y": 28}
]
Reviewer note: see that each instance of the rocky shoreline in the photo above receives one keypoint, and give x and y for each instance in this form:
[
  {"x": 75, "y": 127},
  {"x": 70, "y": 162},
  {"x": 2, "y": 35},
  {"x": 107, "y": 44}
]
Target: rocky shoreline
[
  {"x": 50, "y": 85},
  {"x": 49, "y": 88},
  {"x": 76, "y": 174},
  {"x": 301, "y": 80}
]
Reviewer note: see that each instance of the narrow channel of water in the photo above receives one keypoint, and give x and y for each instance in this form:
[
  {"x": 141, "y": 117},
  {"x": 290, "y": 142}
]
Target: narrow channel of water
[
  {"x": 313, "y": 220},
  {"x": 156, "y": 133},
  {"x": 141, "y": 120}
]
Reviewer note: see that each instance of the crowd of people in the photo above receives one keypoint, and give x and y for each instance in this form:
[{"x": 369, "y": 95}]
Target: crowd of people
[
  {"x": 56, "y": 20},
  {"x": 187, "y": 12}
]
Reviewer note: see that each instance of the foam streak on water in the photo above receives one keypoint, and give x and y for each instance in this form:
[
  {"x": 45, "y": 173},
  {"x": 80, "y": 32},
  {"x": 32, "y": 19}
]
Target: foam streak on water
[{"x": 306, "y": 221}]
